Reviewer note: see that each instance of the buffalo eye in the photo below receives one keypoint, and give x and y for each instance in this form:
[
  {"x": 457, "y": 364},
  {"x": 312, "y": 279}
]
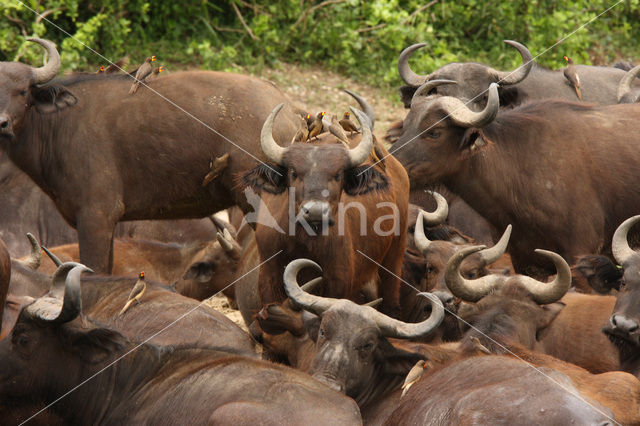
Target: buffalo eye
[
  {"x": 412, "y": 229},
  {"x": 365, "y": 349},
  {"x": 430, "y": 269},
  {"x": 321, "y": 333},
  {"x": 294, "y": 174},
  {"x": 23, "y": 93},
  {"x": 433, "y": 134},
  {"x": 337, "y": 177},
  {"x": 471, "y": 275}
]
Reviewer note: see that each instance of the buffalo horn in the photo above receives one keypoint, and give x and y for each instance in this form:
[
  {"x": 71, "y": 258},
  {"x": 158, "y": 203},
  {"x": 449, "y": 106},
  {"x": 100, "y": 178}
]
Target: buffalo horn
[
  {"x": 492, "y": 254},
  {"x": 403, "y": 330},
  {"x": 427, "y": 87},
  {"x": 514, "y": 77},
  {"x": 627, "y": 81},
  {"x": 271, "y": 149},
  {"x": 63, "y": 303},
  {"x": 468, "y": 290},
  {"x": 35, "y": 256},
  {"x": 52, "y": 256},
  {"x": 368, "y": 110},
  {"x": 464, "y": 117},
  {"x": 48, "y": 71},
  {"x": 544, "y": 293},
  {"x": 622, "y": 252},
  {"x": 310, "y": 302},
  {"x": 407, "y": 75},
  {"x": 440, "y": 214},
  {"x": 360, "y": 153}
]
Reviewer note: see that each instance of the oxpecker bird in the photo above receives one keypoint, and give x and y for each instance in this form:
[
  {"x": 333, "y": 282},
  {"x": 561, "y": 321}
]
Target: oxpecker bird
[
  {"x": 414, "y": 374},
  {"x": 136, "y": 293},
  {"x": 571, "y": 74},
  {"x": 347, "y": 124},
  {"x": 316, "y": 126},
  {"x": 336, "y": 130},
  {"x": 142, "y": 73}
]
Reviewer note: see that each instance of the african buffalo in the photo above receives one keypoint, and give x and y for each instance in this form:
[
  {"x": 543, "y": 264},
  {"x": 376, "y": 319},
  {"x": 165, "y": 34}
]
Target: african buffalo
[
  {"x": 330, "y": 203},
  {"x": 148, "y": 383},
  {"x": 623, "y": 327},
  {"x": 543, "y": 167},
  {"x": 104, "y": 156},
  {"x": 542, "y": 319},
  {"x": 352, "y": 353},
  {"x": 529, "y": 82}
]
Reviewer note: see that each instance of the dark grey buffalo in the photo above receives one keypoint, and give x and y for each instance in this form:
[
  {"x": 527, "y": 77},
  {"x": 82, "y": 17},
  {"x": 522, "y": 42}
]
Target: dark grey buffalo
[
  {"x": 530, "y": 81},
  {"x": 104, "y": 156}
]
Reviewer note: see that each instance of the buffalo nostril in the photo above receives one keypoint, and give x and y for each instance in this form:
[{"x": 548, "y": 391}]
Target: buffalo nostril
[
  {"x": 613, "y": 321},
  {"x": 4, "y": 123}
]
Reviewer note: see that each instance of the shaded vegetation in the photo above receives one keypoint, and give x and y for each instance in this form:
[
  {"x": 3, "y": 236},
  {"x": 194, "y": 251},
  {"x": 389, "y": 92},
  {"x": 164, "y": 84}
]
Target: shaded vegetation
[{"x": 358, "y": 38}]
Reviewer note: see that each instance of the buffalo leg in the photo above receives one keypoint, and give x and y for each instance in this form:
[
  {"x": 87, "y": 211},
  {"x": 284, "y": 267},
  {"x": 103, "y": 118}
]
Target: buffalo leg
[{"x": 95, "y": 238}]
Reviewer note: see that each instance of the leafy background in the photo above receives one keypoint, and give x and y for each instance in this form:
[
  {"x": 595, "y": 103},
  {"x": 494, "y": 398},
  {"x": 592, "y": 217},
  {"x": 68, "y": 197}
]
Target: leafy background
[{"x": 360, "y": 39}]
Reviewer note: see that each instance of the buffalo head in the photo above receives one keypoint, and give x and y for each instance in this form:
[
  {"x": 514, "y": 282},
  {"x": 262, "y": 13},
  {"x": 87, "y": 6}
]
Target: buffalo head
[
  {"x": 353, "y": 354},
  {"x": 439, "y": 133},
  {"x": 624, "y": 324},
  {"x": 316, "y": 173},
  {"x": 21, "y": 90},
  {"x": 472, "y": 78}
]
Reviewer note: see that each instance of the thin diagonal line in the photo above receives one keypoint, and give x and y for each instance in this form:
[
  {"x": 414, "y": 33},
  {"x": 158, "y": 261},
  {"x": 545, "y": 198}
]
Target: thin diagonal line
[
  {"x": 497, "y": 343},
  {"x": 148, "y": 339},
  {"x": 487, "y": 89},
  {"x": 187, "y": 113}
]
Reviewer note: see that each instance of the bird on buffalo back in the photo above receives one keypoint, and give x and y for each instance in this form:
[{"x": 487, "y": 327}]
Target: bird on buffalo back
[
  {"x": 347, "y": 124},
  {"x": 142, "y": 73},
  {"x": 336, "y": 130},
  {"x": 571, "y": 74},
  {"x": 155, "y": 73},
  {"x": 316, "y": 126},
  {"x": 136, "y": 293}
]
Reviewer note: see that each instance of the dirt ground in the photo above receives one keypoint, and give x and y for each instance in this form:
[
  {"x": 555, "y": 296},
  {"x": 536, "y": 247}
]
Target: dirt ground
[{"x": 318, "y": 90}]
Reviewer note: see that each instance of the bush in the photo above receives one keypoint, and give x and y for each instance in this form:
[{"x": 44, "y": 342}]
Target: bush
[{"x": 358, "y": 38}]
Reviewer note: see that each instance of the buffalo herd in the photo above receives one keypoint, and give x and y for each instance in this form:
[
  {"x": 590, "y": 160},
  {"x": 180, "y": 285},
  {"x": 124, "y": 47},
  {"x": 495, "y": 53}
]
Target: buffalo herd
[{"x": 475, "y": 265}]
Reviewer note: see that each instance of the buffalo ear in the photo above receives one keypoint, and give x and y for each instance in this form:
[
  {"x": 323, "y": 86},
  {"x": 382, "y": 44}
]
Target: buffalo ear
[
  {"x": 272, "y": 179},
  {"x": 472, "y": 140},
  {"x": 200, "y": 271},
  {"x": 510, "y": 96},
  {"x": 49, "y": 99},
  {"x": 396, "y": 361},
  {"x": 550, "y": 312},
  {"x": 406, "y": 94},
  {"x": 95, "y": 345},
  {"x": 364, "y": 179}
]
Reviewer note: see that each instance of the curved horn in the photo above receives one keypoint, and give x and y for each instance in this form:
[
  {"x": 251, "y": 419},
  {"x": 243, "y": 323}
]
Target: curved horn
[
  {"x": 52, "y": 256},
  {"x": 271, "y": 149},
  {"x": 35, "y": 257},
  {"x": 224, "y": 243},
  {"x": 368, "y": 110},
  {"x": 469, "y": 290},
  {"x": 440, "y": 214},
  {"x": 407, "y": 75},
  {"x": 48, "y": 71},
  {"x": 464, "y": 117},
  {"x": 492, "y": 254},
  {"x": 428, "y": 86},
  {"x": 419, "y": 237},
  {"x": 622, "y": 252},
  {"x": 403, "y": 330},
  {"x": 544, "y": 293},
  {"x": 360, "y": 153},
  {"x": 229, "y": 244},
  {"x": 221, "y": 225},
  {"x": 63, "y": 303},
  {"x": 310, "y": 302},
  {"x": 627, "y": 81},
  {"x": 520, "y": 73}
]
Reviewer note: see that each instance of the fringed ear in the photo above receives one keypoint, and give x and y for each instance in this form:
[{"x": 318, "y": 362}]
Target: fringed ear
[
  {"x": 510, "y": 96},
  {"x": 396, "y": 361},
  {"x": 406, "y": 94},
  {"x": 364, "y": 179},
  {"x": 52, "y": 98},
  {"x": 472, "y": 140},
  {"x": 272, "y": 179},
  {"x": 94, "y": 345}
]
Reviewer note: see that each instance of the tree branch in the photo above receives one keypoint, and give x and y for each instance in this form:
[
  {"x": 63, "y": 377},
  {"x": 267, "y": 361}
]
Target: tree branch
[
  {"x": 312, "y": 9},
  {"x": 244, "y": 24}
]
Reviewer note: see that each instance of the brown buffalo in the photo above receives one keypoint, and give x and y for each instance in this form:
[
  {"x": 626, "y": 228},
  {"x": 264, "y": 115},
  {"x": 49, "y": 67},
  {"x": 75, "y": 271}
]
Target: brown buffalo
[
  {"x": 540, "y": 317},
  {"x": 331, "y": 204},
  {"x": 540, "y": 167},
  {"x": 623, "y": 327},
  {"x": 140, "y": 157},
  {"x": 150, "y": 383}
]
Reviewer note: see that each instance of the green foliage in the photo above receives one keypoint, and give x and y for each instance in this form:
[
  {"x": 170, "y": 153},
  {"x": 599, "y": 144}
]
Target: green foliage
[{"x": 356, "y": 37}]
